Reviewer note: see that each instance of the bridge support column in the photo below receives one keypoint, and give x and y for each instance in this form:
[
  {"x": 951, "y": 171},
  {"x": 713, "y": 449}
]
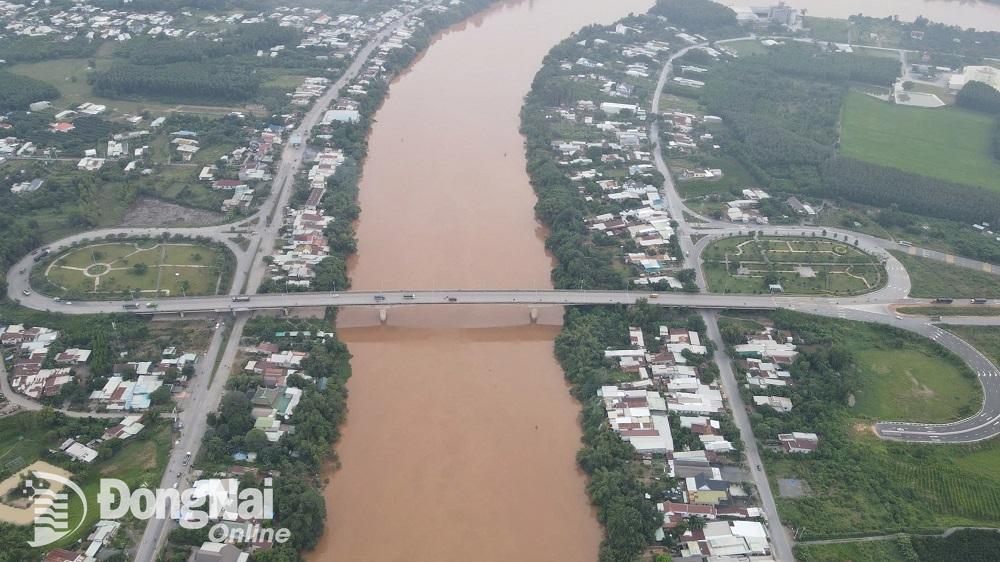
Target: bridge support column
[
  {"x": 533, "y": 315},
  {"x": 383, "y": 315},
  {"x": 284, "y": 312},
  {"x": 181, "y": 314}
]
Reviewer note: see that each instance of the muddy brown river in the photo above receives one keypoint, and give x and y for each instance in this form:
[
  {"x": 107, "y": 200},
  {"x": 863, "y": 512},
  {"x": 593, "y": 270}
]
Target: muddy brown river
[{"x": 461, "y": 437}]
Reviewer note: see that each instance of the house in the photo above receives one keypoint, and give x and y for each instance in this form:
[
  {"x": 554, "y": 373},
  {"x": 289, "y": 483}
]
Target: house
[
  {"x": 218, "y": 552},
  {"x": 639, "y": 418},
  {"x": 27, "y": 187},
  {"x": 779, "y": 404},
  {"x": 797, "y": 442},
  {"x": 78, "y": 451},
  {"x": 73, "y": 356},
  {"x": 707, "y": 491},
  {"x": 61, "y": 555},
  {"x": 90, "y": 164}
]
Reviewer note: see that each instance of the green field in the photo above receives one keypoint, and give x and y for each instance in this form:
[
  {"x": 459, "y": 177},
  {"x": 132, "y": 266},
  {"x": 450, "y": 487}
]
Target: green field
[
  {"x": 889, "y": 550},
  {"x": 947, "y": 310},
  {"x": 148, "y": 267},
  {"x": 914, "y": 385},
  {"x": 931, "y": 279},
  {"x": 801, "y": 265},
  {"x": 949, "y": 143},
  {"x": 858, "y": 483}
]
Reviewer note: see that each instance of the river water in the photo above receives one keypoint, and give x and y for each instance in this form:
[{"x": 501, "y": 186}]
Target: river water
[
  {"x": 461, "y": 438},
  {"x": 461, "y": 435}
]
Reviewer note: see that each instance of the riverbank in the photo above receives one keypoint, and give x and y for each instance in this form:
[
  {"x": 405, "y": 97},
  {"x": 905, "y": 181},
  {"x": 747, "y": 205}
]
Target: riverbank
[{"x": 459, "y": 414}]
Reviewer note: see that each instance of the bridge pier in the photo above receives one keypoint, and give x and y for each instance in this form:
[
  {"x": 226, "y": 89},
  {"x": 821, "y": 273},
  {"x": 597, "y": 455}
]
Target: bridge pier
[
  {"x": 533, "y": 315},
  {"x": 383, "y": 315}
]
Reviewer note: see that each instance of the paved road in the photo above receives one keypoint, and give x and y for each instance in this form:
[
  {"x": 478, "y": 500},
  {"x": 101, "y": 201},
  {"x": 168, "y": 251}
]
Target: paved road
[
  {"x": 206, "y": 397},
  {"x": 780, "y": 542},
  {"x": 202, "y": 398}
]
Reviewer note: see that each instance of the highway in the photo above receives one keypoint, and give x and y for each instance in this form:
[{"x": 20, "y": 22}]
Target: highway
[{"x": 206, "y": 393}]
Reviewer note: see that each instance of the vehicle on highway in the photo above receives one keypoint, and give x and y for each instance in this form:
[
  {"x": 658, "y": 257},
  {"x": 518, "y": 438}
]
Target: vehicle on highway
[
  {"x": 654, "y": 296},
  {"x": 67, "y": 302},
  {"x": 409, "y": 296},
  {"x": 941, "y": 300},
  {"x": 41, "y": 255},
  {"x": 130, "y": 306},
  {"x": 241, "y": 298},
  {"x": 452, "y": 299},
  {"x": 977, "y": 301},
  {"x": 26, "y": 292},
  {"x": 935, "y": 318},
  {"x": 379, "y": 298},
  {"x": 905, "y": 243},
  {"x": 151, "y": 305}
]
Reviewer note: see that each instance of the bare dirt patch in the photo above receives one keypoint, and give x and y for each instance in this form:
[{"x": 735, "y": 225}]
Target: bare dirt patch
[{"x": 153, "y": 212}]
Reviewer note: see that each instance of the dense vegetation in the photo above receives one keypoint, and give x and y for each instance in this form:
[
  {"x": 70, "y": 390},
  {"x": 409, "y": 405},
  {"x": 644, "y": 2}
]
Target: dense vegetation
[
  {"x": 962, "y": 546},
  {"x": 192, "y": 70},
  {"x": 698, "y": 16},
  {"x": 17, "y": 91},
  {"x": 33, "y": 49},
  {"x": 871, "y": 184},
  {"x": 978, "y": 96}
]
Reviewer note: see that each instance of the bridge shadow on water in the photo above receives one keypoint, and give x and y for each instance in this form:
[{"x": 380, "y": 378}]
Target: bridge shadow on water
[{"x": 485, "y": 322}]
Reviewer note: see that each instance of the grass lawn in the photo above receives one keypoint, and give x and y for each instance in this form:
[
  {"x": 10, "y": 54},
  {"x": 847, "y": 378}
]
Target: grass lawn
[
  {"x": 801, "y": 265},
  {"x": 946, "y": 310},
  {"x": 949, "y": 143},
  {"x": 827, "y": 29},
  {"x": 671, "y": 102},
  {"x": 871, "y": 551},
  {"x": 747, "y": 47},
  {"x": 914, "y": 385},
  {"x": 106, "y": 270},
  {"x": 734, "y": 175},
  {"x": 933, "y": 279}
]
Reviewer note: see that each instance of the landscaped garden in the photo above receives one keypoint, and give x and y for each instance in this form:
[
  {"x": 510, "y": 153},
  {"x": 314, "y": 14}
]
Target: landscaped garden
[
  {"x": 799, "y": 265},
  {"x": 136, "y": 269}
]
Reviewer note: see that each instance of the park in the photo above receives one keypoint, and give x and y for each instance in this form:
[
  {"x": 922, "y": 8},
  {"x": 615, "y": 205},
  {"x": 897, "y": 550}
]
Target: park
[
  {"x": 796, "y": 265},
  {"x": 136, "y": 269}
]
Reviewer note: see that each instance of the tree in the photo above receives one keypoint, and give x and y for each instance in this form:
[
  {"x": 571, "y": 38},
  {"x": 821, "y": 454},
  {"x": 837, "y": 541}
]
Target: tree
[
  {"x": 160, "y": 396},
  {"x": 255, "y": 440},
  {"x": 140, "y": 268}
]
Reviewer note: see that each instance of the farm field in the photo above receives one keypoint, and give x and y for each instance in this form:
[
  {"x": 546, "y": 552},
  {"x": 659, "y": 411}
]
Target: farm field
[
  {"x": 932, "y": 279},
  {"x": 148, "y": 268},
  {"x": 950, "y": 144},
  {"x": 800, "y": 265}
]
